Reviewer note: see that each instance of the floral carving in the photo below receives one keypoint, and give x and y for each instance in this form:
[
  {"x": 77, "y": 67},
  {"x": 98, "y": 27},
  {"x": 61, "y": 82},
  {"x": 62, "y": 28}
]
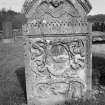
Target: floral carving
[{"x": 57, "y": 63}]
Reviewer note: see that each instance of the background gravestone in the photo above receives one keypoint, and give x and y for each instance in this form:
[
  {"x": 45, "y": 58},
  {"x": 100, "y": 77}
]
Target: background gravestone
[
  {"x": 7, "y": 29},
  {"x": 57, "y": 51}
]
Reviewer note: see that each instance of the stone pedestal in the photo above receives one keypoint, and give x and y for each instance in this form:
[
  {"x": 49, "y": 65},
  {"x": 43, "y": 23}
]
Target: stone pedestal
[{"x": 57, "y": 51}]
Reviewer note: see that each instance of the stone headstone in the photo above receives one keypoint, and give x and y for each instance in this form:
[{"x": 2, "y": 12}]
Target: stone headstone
[
  {"x": 57, "y": 50},
  {"x": 7, "y": 29}
]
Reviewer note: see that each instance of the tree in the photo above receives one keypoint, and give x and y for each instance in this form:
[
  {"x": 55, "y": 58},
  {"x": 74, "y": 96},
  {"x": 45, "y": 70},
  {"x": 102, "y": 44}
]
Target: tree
[{"x": 17, "y": 19}]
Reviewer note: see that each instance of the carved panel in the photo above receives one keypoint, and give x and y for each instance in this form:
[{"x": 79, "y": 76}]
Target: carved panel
[
  {"x": 55, "y": 9},
  {"x": 59, "y": 66},
  {"x": 65, "y": 24}
]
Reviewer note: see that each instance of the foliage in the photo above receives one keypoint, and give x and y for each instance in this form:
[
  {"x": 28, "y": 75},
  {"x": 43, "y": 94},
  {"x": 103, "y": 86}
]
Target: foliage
[
  {"x": 96, "y": 18},
  {"x": 17, "y": 19}
]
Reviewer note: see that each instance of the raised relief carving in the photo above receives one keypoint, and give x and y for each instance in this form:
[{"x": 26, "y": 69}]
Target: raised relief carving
[
  {"x": 63, "y": 25},
  {"x": 56, "y": 3},
  {"x": 57, "y": 65},
  {"x": 63, "y": 19},
  {"x": 58, "y": 51}
]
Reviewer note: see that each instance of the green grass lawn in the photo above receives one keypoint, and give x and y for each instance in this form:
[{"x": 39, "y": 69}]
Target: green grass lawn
[{"x": 12, "y": 77}]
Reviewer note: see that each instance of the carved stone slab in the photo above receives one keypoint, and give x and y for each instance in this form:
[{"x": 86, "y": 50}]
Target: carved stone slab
[{"x": 57, "y": 51}]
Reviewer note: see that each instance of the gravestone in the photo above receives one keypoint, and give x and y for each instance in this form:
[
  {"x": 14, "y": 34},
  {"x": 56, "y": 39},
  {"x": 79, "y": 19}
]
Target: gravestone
[
  {"x": 7, "y": 29},
  {"x": 57, "y": 50}
]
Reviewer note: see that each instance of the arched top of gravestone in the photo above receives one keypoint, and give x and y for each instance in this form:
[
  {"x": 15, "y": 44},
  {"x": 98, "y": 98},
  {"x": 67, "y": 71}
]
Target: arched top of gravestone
[{"x": 56, "y": 8}]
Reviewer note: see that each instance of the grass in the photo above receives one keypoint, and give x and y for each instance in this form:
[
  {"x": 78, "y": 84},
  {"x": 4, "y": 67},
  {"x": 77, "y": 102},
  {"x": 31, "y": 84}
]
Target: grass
[
  {"x": 12, "y": 74},
  {"x": 11, "y": 60}
]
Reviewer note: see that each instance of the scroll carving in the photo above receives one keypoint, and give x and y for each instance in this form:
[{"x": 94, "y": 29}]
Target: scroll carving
[{"x": 57, "y": 65}]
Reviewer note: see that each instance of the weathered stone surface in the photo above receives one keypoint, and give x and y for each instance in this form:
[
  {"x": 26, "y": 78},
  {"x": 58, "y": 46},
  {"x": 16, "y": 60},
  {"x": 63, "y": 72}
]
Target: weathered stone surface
[
  {"x": 58, "y": 51},
  {"x": 7, "y": 29}
]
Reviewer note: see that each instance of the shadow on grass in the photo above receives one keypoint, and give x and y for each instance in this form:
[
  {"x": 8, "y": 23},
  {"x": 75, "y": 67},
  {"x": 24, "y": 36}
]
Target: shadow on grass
[
  {"x": 20, "y": 72},
  {"x": 98, "y": 70}
]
